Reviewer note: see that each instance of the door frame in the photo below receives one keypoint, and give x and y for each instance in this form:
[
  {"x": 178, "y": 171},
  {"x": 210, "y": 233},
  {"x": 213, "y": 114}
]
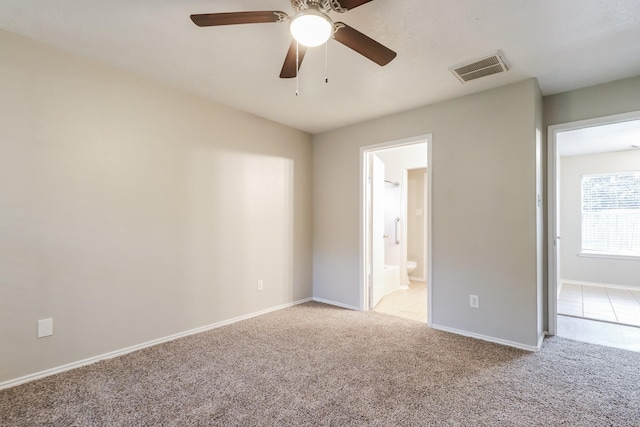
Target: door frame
[
  {"x": 378, "y": 246},
  {"x": 553, "y": 197},
  {"x": 365, "y": 237}
]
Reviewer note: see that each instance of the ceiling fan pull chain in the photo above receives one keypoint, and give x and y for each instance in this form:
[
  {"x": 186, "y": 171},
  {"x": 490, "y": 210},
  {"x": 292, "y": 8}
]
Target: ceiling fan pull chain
[
  {"x": 297, "y": 67},
  {"x": 326, "y": 61}
]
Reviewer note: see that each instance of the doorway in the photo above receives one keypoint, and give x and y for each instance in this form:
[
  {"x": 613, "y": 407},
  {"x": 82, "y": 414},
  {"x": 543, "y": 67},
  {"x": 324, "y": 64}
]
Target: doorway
[
  {"x": 388, "y": 217},
  {"x": 594, "y": 230}
]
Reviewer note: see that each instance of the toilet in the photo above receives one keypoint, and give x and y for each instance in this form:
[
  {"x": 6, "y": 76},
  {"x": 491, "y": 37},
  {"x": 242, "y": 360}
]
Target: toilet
[{"x": 411, "y": 265}]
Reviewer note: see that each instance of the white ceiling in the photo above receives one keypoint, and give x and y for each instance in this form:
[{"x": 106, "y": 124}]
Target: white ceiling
[
  {"x": 621, "y": 136},
  {"x": 566, "y": 44}
]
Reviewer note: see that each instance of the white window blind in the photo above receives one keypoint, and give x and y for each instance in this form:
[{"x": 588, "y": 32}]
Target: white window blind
[{"x": 611, "y": 213}]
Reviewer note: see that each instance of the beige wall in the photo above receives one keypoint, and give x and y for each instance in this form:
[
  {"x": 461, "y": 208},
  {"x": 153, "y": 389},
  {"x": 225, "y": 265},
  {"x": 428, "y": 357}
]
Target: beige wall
[
  {"x": 588, "y": 269},
  {"x": 130, "y": 211},
  {"x": 484, "y": 215}
]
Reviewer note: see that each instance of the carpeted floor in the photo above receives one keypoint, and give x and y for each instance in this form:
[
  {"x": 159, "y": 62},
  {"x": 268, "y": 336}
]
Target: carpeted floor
[{"x": 318, "y": 365}]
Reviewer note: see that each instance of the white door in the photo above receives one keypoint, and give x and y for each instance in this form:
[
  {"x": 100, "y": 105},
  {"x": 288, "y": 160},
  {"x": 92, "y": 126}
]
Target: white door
[{"x": 377, "y": 230}]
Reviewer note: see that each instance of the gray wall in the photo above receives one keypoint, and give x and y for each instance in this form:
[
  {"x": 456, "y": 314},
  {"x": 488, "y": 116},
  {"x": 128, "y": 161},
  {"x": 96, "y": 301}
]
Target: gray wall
[
  {"x": 541, "y": 232},
  {"x": 620, "y": 96},
  {"x": 588, "y": 269},
  {"x": 130, "y": 211},
  {"x": 484, "y": 215}
]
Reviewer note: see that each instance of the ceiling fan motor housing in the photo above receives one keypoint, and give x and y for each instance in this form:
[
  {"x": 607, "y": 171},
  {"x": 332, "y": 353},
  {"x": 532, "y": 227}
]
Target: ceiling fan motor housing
[{"x": 325, "y": 6}]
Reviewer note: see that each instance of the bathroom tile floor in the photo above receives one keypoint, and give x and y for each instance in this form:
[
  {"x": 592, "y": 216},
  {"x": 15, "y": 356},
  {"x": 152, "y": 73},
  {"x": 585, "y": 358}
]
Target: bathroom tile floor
[
  {"x": 600, "y": 303},
  {"x": 408, "y": 303}
]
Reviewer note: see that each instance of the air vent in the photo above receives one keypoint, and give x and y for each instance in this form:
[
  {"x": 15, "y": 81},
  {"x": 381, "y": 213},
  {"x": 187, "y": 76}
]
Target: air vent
[{"x": 480, "y": 67}]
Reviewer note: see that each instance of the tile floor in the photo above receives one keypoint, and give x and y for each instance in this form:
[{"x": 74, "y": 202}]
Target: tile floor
[
  {"x": 600, "y": 303},
  {"x": 408, "y": 303},
  {"x": 597, "y": 332}
]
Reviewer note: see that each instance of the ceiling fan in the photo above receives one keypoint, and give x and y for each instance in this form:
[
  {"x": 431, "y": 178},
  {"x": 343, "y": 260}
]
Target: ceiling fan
[{"x": 310, "y": 26}]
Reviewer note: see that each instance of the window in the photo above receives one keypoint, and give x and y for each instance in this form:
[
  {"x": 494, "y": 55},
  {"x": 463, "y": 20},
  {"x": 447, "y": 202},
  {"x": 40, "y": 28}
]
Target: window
[{"x": 611, "y": 214}]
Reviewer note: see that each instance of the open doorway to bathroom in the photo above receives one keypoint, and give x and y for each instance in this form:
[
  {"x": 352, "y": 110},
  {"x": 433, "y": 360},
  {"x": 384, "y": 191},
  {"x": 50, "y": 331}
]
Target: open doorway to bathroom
[
  {"x": 595, "y": 231},
  {"x": 395, "y": 228}
]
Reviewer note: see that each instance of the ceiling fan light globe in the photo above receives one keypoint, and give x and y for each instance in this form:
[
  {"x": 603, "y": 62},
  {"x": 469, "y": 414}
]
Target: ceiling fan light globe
[{"x": 311, "y": 28}]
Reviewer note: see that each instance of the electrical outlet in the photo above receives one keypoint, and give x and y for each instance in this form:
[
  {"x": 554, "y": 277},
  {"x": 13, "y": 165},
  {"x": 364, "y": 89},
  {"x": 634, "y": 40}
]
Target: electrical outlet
[
  {"x": 260, "y": 285},
  {"x": 474, "y": 301},
  {"x": 45, "y": 327}
]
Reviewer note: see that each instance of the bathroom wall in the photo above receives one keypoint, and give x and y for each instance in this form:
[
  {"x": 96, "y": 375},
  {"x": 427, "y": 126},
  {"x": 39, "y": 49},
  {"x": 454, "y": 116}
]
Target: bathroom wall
[
  {"x": 416, "y": 218},
  {"x": 397, "y": 161},
  {"x": 393, "y": 209}
]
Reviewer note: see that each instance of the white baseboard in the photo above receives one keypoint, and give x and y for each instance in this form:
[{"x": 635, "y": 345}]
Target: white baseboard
[
  {"x": 121, "y": 352},
  {"x": 490, "y": 339},
  {"x": 559, "y": 288},
  {"x": 417, "y": 279},
  {"x": 605, "y": 285},
  {"x": 399, "y": 288},
  {"x": 337, "y": 304}
]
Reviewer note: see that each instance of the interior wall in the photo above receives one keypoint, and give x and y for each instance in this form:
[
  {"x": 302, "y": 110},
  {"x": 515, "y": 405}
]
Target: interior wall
[
  {"x": 416, "y": 214},
  {"x": 607, "y": 99},
  {"x": 484, "y": 215},
  {"x": 541, "y": 223},
  {"x": 397, "y": 161},
  {"x": 624, "y": 272},
  {"x": 392, "y": 210},
  {"x": 130, "y": 211}
]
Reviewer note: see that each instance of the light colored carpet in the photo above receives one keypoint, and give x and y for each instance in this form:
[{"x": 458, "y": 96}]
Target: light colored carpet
[{"x": 318, "y": 365}]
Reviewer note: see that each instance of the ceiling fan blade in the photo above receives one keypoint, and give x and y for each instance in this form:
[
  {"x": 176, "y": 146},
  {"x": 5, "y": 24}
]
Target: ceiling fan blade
[
  {"x": 362, "y": 44},
  {"x": 214, "y": 19},
  {"x": 351, "y": 4},
  {"x": 289, "y": 66}
]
